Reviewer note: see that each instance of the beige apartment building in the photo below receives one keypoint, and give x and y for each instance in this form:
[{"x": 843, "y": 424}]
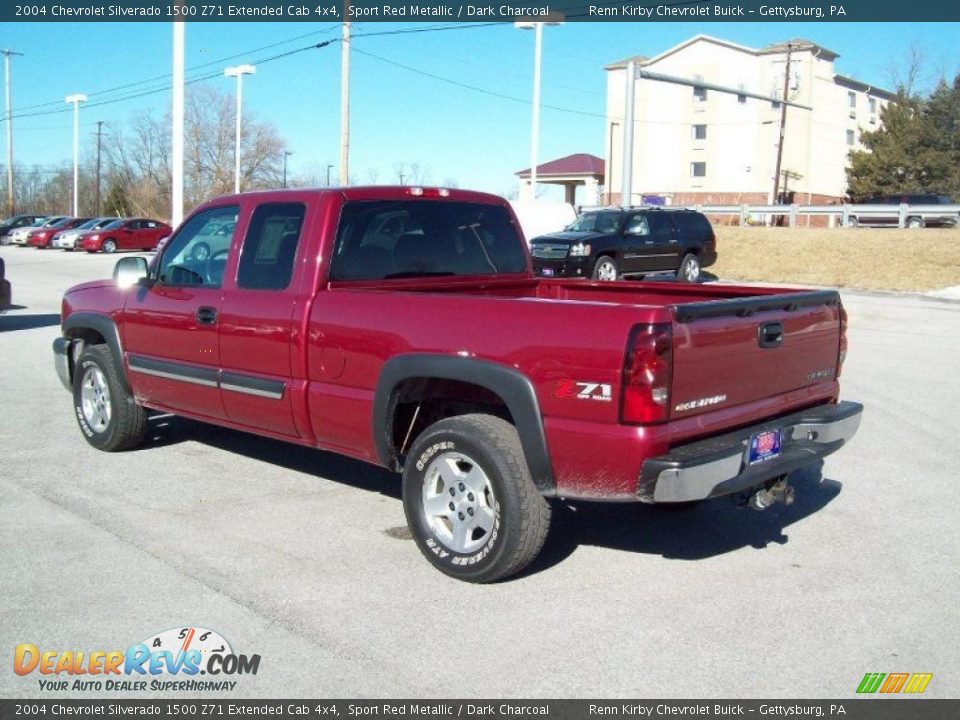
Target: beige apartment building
[{"x": 697, "y": 145}]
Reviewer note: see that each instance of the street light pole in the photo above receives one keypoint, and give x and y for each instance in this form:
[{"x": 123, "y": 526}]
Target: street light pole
[
  {"x": 238, "y": 72},
  {"x": 177, "y": 116},
  {"x": 76, "y": 99},
  {"x": 537, "y": 28},
  {"x": 286, "y": 154},
  {"x": 329, "y": 168},
  {"x": 99, "y": 133},
  {"x": 6, "y": 76}
]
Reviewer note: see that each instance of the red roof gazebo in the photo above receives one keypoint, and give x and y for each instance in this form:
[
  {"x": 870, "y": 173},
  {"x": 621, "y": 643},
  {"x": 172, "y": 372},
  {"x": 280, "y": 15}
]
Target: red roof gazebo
[{"x": 570, "y": 171}]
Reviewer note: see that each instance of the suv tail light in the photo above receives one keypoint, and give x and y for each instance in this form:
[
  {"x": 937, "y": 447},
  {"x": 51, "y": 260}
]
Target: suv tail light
[
  {"x": 842, "y": 350},
  {"x": 647, "y": 372}
]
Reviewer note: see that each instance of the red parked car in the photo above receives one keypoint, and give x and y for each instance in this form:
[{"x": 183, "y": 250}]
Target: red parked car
[
  {"x": 41, "y": 238},
  {"x": 125, "y": 234}
]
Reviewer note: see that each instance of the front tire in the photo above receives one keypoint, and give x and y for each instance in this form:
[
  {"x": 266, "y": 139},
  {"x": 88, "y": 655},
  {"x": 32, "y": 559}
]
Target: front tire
[
  {"x": 915, "y": 223},
  {"x": 109, "y": 246},
  {"x": 469, "y": 500},
  {"x": 689, "y": 270},
  {"x": 109, "y": 417},
  {"x": 605, "y": 269}
]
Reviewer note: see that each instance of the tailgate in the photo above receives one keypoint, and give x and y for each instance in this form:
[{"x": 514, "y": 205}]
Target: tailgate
[{"x": 729, "y": 352}]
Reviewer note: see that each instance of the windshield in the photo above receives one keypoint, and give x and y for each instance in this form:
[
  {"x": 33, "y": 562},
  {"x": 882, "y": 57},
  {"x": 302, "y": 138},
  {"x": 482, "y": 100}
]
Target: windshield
[
  {"x": 602, "y": 222},
  {"x": 53, "y": 221},
  {"x": 93, "y": 223},
  {"x": 422, "y": 238},
  {"x": 114, "y": 224}
]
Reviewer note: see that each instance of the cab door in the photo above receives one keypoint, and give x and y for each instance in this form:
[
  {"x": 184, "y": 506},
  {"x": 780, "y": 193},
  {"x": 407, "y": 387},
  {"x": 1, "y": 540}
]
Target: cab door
[
  {"x": 258, "y": 328},
  {"x": 171, "y": 326}
]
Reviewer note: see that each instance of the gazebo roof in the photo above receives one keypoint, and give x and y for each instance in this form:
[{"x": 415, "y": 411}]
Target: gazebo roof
[{"x": 577, "y": 164}]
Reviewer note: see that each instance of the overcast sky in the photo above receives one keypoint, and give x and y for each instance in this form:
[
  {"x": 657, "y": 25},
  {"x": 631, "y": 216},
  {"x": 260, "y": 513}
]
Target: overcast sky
[{"x": 445, "y": 110}]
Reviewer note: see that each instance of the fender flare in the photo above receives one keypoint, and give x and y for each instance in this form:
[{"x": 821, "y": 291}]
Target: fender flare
[
  {"x": 508, "y": 384},
  {"x": 110, "y": 332}
]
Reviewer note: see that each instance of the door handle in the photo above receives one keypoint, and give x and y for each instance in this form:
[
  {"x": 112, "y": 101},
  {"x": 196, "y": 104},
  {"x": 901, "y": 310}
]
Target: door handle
[
  {"x": 770, "y": 335},
  {"x": 206, "y": 316}
]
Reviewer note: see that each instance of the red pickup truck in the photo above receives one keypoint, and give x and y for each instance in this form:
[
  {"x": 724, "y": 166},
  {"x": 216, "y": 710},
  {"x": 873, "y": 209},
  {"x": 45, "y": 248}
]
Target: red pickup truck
[{"x": 405, "y": 327}]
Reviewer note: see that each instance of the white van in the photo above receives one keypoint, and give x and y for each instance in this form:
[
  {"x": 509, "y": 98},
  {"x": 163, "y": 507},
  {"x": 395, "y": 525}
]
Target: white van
[{"x": 538, "y": 217}]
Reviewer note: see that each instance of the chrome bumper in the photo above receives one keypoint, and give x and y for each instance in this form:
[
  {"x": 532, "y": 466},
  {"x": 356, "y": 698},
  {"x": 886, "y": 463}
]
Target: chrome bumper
[
  {"x": 717, "y": 466},
  {"x": 61, "y": 361}
]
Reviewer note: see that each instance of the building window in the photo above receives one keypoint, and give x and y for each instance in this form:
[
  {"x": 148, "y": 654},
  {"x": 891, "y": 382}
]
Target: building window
[
  {"x": 850, "y": 137},
  {"x": 873, "y": 105},
  {"x": 698, "y": 169},
  {"x": 699, "y": 94},
  {"x": 699, "y": 132},
  {"x": 852, "y": 99},
  {"x": 741, "y": 98}
]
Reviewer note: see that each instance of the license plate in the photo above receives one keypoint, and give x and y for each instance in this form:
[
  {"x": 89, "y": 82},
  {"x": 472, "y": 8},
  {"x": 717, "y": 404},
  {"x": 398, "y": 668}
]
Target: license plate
[
  {"x": 546, "y": 272},
  {"x": 764, "y": 446}
]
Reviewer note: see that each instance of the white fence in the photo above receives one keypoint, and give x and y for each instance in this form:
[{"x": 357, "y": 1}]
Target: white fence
[{"x": 842, "y": 215}]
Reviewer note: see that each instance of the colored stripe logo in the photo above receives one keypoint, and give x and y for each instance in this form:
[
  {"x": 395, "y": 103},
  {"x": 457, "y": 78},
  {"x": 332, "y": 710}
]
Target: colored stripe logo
[{"x": 891, "y": 683}]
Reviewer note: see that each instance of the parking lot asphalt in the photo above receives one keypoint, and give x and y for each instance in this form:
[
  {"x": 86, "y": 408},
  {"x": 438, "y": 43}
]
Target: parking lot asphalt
[{"x": 300, "y": 556}]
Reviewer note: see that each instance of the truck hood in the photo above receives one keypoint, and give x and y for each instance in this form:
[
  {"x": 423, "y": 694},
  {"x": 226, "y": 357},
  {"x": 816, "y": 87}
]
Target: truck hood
[
  {"x": 91, "y": 285},
  {"x": 569, "y": 236}
]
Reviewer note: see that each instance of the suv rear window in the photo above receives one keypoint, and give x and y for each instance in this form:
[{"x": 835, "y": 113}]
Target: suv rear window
[{"x": 380, "y": 240}]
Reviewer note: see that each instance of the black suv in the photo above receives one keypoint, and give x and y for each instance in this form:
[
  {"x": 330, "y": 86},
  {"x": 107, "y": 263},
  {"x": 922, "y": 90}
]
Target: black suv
[
  {"x": 627, "y": 242},
  {"x": 912, "y": 221}
]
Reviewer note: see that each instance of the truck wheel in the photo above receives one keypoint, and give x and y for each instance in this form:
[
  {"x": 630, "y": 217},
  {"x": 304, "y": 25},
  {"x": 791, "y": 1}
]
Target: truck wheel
[
  {"x": 689, "y": 270},
  {"x": 605, "y": 269},
  {"x": 109, "y": 417},
  {"x": 469, "y": 499}
]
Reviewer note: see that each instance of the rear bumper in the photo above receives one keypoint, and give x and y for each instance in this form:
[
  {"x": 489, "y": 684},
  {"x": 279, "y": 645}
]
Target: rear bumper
[{"x": 717, "y": 466}]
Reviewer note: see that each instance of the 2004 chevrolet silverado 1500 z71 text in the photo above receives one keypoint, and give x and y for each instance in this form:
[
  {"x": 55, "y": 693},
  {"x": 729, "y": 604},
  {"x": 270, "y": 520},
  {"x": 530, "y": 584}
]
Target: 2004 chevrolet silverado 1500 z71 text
[{"x": 404, "y": 327}]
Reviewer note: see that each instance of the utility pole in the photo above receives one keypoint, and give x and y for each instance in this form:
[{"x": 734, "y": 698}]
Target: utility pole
[
  {"x": 783, "y": 123},
  {"x": 98, "y": 134},
  {"x": 286, "y": 154},
  {"x": 75, "y": 100},
  {"x": 6, "y": 69},
  {"x": 329, "y": 168},
  {"x": 345, "y": 99}
]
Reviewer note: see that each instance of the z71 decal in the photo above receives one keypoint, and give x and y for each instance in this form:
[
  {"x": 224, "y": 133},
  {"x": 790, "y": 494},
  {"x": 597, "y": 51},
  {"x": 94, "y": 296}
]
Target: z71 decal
[{"x": 584, "y": 390}]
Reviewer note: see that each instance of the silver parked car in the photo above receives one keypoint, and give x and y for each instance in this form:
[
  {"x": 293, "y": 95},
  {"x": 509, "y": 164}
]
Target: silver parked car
[
  {"x": 67, "y": 239},
  {"x": 20, "y": 235}
]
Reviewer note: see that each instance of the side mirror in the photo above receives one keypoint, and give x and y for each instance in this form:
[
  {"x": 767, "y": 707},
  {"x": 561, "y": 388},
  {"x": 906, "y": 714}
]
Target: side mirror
[{"x": 129, "y": 271}]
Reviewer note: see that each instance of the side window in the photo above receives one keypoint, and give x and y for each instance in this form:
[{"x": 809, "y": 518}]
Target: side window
[
  {"x": 659, "y": 224},
  {"x": 197, "y": 255},
  {"x": 637, "y": 225},
  {"x": 266, "y": 260}
]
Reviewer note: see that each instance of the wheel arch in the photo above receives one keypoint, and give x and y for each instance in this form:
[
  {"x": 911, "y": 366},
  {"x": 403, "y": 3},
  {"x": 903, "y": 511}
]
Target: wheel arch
[
  {"x": 509, "y": 386},
  {"x": 91, "y": 329}
]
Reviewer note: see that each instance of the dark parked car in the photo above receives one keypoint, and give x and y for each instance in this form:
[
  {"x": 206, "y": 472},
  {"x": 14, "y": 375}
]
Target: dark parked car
[
  {"x": 124, "y": 234},
  {"x": 951, "y": 219},
  {"x": 17, "y": 221},
  {"x": 628, "y": 242}
]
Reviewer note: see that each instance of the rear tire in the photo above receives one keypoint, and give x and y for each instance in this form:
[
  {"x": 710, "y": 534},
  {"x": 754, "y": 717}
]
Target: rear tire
[
  {"x": 109, "y": 417},
  {"x": 605, "y": 269},
  {"x": 469, "y": 500},
  {"x": 689, "y": 270}
]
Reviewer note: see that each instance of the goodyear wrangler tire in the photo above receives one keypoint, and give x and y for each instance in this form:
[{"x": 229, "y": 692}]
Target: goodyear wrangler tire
[
  {"x": 109, "y": 417},
  {"x": 469, "y": 500}
]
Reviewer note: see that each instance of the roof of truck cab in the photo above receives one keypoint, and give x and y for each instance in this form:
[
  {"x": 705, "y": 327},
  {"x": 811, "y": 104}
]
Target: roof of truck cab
[{"x": 363, "y": 192}]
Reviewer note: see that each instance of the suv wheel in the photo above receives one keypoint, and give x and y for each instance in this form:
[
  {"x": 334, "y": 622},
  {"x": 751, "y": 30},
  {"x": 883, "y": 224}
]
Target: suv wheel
[
  {"x": 605, "y": 269},
  {"x": 689, "y": 270},
  {"x": 109, "y": 417},
  {"x": 469, "y": 500}
]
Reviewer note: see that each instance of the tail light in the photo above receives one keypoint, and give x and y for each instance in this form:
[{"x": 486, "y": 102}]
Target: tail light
[
  {"x": 842, "y": 350},
  {"x": 646, "y": 374}
]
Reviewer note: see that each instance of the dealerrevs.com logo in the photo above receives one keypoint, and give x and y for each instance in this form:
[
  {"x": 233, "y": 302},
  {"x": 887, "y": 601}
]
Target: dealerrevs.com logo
[{"x": 172, "y": 660}]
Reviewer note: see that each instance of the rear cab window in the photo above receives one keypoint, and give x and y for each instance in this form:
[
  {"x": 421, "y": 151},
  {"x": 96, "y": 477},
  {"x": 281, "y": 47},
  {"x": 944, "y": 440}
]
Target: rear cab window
[
  {"x": 382, "y": 240},
  {"x": 270, "y": 246}
]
